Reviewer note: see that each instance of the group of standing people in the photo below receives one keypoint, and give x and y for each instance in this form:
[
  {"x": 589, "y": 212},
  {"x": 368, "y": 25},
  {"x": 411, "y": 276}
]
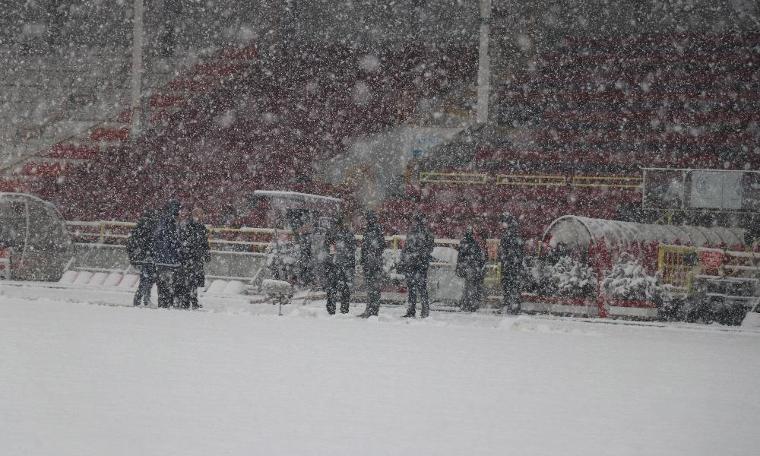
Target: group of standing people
[
  {"x": 416, "y": 255},
  {"x": 340, "y": 264},
  {"x": 171, "y": 254},
  {"x": 471, "y": 267}
]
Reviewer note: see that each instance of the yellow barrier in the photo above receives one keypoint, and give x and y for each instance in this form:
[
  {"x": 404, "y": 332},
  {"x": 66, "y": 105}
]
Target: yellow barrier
[
  {"x": 533, "y": 180},
  {"x": 453, "y": 178},
  {"x": 629, "y": 182},
  {"x": 116, "y": 232},
  {"x": 676, "y": 265}
]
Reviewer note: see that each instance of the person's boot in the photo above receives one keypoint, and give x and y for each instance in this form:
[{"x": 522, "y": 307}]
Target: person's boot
[
  {"x": 425, "y": 312},
  {"x": 331, "y": 308},
  {"x": 344, "y": 308},
  {"x": 411, "y": 312},
  {"x": 369, "y": 312}
]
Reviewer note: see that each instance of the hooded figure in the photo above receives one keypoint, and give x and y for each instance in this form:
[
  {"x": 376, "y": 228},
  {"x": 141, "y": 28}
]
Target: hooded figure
[
  {"x": 141, "y": 255},
  {"x": 372, "y": 249},
  {"x": 194, "y": 252},
  {"x": 415, "y": 261},
  {"x": 166, "y": 247},
  {"x": 470, "y": 267},
  {"x": 511, "y": 255},
  {"x": 339, "y": 266}
]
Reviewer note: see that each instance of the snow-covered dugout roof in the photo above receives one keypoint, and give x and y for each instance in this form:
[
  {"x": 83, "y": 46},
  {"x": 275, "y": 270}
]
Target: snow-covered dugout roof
[
  {"x": 296, "y": 196},
  {"x": 578, "y": 232},
  {"x": 14, "y": 195},
  {"x": 281, "y": 201}
]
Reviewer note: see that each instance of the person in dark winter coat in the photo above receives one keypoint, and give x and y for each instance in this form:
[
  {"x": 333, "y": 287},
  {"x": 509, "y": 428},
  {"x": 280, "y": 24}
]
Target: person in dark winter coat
[
  {"x": 194, "y": 253},
  {"x": 166, "y": 247},
  {"x": 141, "y": 256},
  {"x": 470, "y": 267},
  {"x": 339, "y": 266},
  {"x": 415, "y": 261},
  {"x": 372, "y": 249},
  {"x": 511, "y": 261}
]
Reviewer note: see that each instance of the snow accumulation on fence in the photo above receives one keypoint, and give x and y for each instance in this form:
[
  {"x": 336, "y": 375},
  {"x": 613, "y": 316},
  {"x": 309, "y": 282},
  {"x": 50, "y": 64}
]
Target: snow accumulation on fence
[{"x": 579, "y": 232}]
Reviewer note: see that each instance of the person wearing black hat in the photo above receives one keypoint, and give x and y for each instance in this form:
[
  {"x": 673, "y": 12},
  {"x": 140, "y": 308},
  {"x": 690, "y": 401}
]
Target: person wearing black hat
[
  {"x": 511, "y": 261},
  {"x": 141, "y": 256},
  {"x": 373, "y": 245},
  {"x": 415, "y": 261},
  {"x": 339, "y": 265},
  {"x": 470, "y": 267},
  {"x": 166, "y": 246}
]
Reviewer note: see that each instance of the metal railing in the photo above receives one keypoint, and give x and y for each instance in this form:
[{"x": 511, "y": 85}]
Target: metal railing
[
  {"x": 533, "y": 180},
  {"x": 678, "y": 265},
  {"x": 453, "y": 178}
]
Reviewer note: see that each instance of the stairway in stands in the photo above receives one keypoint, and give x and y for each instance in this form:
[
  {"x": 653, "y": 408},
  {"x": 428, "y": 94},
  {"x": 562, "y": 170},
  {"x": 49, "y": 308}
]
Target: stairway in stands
[{"x": 87, "y": 127}]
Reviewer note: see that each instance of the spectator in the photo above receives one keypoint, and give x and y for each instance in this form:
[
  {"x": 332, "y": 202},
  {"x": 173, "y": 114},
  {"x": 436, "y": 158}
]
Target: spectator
[
  {"x": 194, "y": 253},
  {"x": 166, "y": 246},
  {"x": 141, "y": 256},
  {"x": 340, "y": 264},
  {"x": 415, "y": 261},
  {"x": 372, "y": 249},
  {"x": 470, "y": 266},
  {"x": 511, "y": 253}
]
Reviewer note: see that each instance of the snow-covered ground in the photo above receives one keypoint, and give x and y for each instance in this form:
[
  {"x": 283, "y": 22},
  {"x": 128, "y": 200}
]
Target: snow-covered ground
[{"x": 84, "y": 379}]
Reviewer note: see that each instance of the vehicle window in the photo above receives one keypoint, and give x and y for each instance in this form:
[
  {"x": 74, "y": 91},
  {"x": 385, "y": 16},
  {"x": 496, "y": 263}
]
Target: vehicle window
[
  {"x": 59, "y": 226},
  {"x": 42, "y": 232},
  {"x": 12, "y": 223}
]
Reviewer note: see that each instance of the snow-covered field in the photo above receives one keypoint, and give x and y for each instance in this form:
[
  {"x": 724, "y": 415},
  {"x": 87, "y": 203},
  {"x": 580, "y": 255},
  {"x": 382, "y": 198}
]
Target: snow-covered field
[{"x": 84, "y": 379}]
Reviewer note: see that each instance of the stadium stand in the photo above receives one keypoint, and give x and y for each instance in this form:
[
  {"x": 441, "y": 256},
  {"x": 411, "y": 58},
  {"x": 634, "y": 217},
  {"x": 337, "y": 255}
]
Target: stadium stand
[
  {"x": 604, "y": 107},
  {"x": 237, "y": 121},
  {"x": 571, "y": 123}
]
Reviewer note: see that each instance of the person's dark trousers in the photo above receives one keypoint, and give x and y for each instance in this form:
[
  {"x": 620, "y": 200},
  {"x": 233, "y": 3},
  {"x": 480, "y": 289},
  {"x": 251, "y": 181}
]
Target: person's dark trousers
[
  {"x": 147, "y": 279},
  {"x": 373, "y": 297},
  {"x": 181, "y": 289},
  {"x": 332, "y": 292},
  {"x": 511, "y": 291},
  {"x": 417, "y": 287},
  {"x": 338, "y": 290},
  {"x": 193, "y": 298},
  {"x": 345, "y": 299},
  {"x": 472, "y": 294},
  {"x": 344, "y": 292},
  {"x": 165, "y": 284}
]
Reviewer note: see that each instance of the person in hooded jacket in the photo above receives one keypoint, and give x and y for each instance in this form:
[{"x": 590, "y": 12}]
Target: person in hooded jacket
[
  {"x": 166, "y": 246},
  {"x": 415, "y": 261},
  {"x": 340, "y": 265},
  {"x": 194, "y": 253},
  {"x": 141, "y": 256},
  {"x": 372, "y": 248},
  {"x": 511, "y": 256},
  {"x": 470, "y": 267}
]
